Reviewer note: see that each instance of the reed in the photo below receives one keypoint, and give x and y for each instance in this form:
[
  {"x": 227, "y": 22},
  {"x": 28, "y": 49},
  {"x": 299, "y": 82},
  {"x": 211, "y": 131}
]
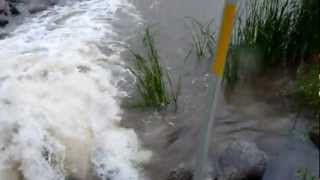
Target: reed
[
  {"x": 153, "y": 83},
  {"x": 203, "y": 37},
  {"x": 283, "y": 32}
]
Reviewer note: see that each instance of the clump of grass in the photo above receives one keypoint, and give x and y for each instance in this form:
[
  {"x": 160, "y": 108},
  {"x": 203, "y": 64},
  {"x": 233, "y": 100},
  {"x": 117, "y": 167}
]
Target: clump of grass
[
  {"x": 151, "y": 78},
  {"x": 305, "y": 91},
  {"x": 283, "y": 32},
  {"x": 266, "y": 26},
  {"x": 305, "y": 174},
  {"x": 203, "y": 38}
]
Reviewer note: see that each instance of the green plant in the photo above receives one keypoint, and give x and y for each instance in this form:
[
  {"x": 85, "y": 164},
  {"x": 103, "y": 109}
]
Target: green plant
[
  {"x": 261, "y": 27},
  {"x": 175, "y": 92},
  {"x": 281, "y": 32},
  {"x": 304, "y": 36},
  {"x": 151, "y": 77},
  {"x": 304, "y": 174},
  {"x": 203, "y": 39},
  {"x": 266, "y": 27},
  {"x": 305, "y": 91}
]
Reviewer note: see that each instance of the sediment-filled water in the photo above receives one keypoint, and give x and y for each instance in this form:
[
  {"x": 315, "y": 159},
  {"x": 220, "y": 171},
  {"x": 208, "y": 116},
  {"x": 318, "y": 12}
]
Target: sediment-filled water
[
  {"x": 62, "y": 78},
  {"x": 59, "y": 113}
]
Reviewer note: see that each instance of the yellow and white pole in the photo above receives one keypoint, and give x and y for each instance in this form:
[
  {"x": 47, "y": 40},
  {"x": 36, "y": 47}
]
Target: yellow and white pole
[{"x": 215, "y": 86}]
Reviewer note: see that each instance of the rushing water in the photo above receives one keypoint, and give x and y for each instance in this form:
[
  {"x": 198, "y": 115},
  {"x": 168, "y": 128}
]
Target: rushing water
[{"x": 59, "y": 114}]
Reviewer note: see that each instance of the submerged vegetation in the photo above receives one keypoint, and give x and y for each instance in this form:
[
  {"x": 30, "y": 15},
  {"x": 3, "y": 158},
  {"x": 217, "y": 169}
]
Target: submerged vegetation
[
  {"x": 154, "y": 84},
  {"x": 203, "y": 37},
  {"x": 304, "y": 174}
]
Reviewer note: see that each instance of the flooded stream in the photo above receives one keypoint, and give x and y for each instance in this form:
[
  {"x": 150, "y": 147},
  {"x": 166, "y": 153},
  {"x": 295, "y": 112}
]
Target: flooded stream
[
  {"x": 59, "y": 101},
  {"x": 63, "y": 80}
]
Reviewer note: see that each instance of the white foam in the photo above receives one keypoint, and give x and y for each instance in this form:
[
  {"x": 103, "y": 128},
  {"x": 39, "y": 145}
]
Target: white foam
[{"x": 58, "y": 110}]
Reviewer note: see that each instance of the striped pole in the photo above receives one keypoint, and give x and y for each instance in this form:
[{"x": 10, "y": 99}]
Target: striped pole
[{"x": 215, "y": 86}]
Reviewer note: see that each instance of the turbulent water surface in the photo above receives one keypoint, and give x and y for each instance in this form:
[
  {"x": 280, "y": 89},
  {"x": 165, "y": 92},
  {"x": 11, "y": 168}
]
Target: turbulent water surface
[
  {"x": 61, "y": 78},
  {"x": 59, "y": 114}
]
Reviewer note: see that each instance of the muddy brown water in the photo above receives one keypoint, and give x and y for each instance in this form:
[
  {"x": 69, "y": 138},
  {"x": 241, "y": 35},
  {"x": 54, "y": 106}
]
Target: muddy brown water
[{"x": 253, "y": 113}]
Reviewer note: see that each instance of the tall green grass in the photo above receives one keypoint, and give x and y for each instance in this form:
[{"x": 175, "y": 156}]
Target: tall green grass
[
  {"x": 285, "y": 33},
  {"x": 304, "y": 36},
  {"x": 203, "y": 37},
  {"x": 266, "y": 27},
  {"x": 154, "y": 84}
]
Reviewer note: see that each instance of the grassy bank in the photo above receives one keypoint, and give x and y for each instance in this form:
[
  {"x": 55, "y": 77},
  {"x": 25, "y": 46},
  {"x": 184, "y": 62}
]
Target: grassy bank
[{"x": 281, "y": 34}]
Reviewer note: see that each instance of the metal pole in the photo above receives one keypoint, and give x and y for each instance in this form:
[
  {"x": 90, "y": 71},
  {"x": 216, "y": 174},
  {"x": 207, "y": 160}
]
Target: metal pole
[{"x": 215, "y": 86}]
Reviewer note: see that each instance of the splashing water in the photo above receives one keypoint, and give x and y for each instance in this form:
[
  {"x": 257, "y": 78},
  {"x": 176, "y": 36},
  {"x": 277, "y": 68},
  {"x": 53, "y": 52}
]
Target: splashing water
[{"x": 59, "y": 116}]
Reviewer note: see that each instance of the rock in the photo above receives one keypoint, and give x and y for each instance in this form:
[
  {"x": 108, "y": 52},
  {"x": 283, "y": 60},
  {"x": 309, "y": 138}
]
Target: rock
[
  {"x": 3, "y": 21},
  {"x": 13, "y": 10},
  {"x": 8, "y": 8},
  {"x": 180, "y": 173},
  {"x": 40, "y": 5},
  {"x": 242, "y": 160},
  {"x": 37, "y": 8}
]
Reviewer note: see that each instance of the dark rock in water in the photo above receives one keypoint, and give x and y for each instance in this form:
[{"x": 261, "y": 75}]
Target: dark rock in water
[
  {"x": 13, "y": 10},
  {"x": 40, "y": 5},
  {"x": 37, "y": 8},
  {"x": 180, "y": 174},
  {"x": 242, "y": 160},
  {"x": 3, "y": 22},
  {"x": 8, "y": 8}
]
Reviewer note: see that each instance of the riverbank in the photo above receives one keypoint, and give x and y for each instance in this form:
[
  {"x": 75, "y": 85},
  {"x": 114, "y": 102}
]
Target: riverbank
[{"x": 251, "y": 114}]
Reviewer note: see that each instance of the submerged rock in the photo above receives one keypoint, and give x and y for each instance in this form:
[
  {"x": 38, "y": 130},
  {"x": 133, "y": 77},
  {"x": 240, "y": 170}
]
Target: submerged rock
[
  {"x": 3, "y": 21},
  {"x": 180, "y": 173},
  {"x": 13, "y": 9},
  {"x": 7, "y": 8},
  {"x": 39, "y": 5},
  {"x": 242, "y": 160}
]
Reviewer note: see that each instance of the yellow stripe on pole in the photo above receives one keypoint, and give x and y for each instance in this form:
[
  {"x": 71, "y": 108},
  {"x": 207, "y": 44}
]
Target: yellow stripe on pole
[{"x": 224, "y": 38}]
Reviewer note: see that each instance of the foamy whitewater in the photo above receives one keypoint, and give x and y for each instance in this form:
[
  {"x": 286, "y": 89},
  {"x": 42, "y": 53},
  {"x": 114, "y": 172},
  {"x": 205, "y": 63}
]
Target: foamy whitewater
[{"x": 59, "y": 114}]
